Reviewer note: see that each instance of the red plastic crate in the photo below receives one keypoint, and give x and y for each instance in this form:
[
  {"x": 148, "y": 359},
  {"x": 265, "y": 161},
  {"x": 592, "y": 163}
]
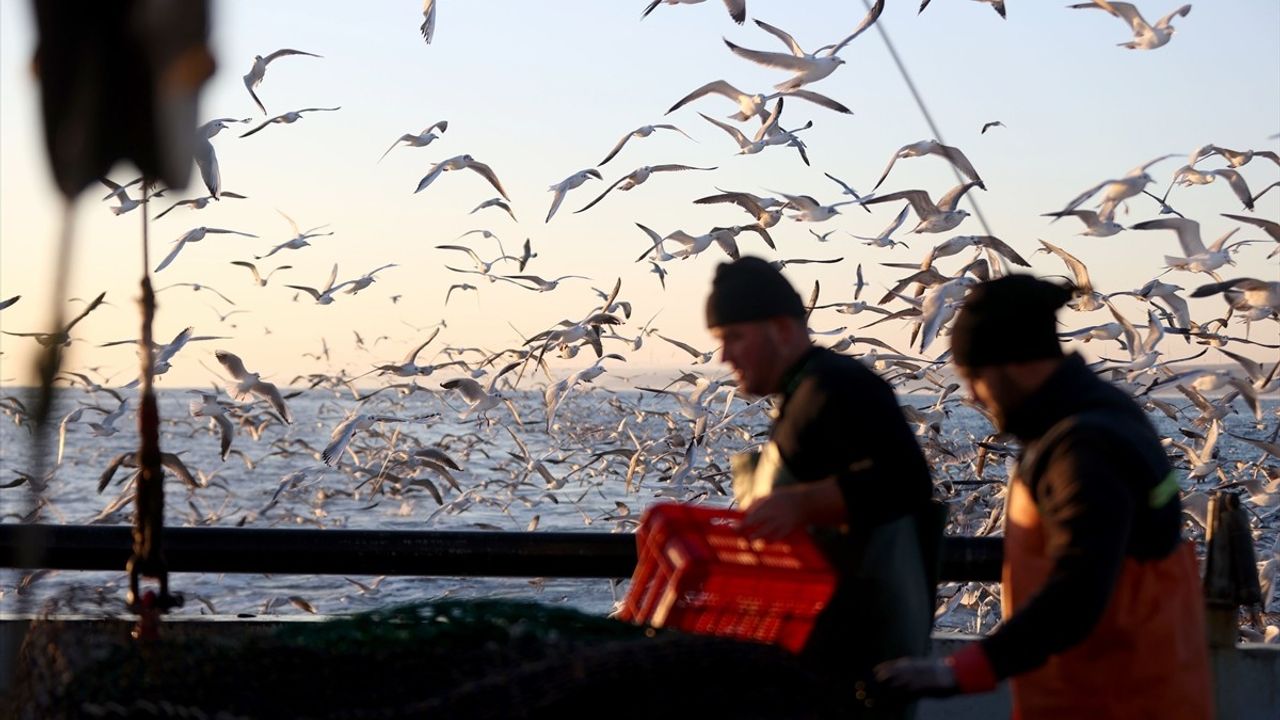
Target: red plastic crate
[{"x": 698, "y": 573}]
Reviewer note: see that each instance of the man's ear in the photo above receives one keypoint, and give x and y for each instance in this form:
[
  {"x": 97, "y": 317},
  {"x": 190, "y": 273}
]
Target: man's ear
[
  {"x": 775, "y": 330},
  {"x": 787, "y": 329}
]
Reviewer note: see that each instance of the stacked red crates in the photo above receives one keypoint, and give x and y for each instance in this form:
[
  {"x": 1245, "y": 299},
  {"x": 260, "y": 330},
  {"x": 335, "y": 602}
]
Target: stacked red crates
[{"x": 698, "y": 573}]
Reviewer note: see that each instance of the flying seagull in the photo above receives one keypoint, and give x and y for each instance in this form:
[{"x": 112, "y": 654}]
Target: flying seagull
[
  {"x": 289, "y": 118},
  {"x": 637, "y": 177},
  {"x": 807, "y": 67},
  {"x": 462, "y": 162},
  {"x": 1145, "y": 36},
  {"x": 259, "y": 70},
  {"x": 422, "y": 139},
  {"x": 737, "y": 8}
]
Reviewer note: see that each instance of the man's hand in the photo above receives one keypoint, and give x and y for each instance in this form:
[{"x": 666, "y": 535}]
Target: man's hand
[
  {"x": 918, "y": 677},
  {"x": 778, "y": 514}
]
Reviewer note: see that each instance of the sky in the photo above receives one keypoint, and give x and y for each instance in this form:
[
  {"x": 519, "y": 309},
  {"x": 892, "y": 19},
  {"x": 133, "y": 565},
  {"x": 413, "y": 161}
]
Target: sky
[{"x": 539, "y": 91}]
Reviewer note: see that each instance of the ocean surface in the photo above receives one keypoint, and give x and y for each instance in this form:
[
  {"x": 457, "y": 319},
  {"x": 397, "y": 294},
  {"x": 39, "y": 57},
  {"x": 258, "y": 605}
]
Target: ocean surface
[{"x": 278, "y": 480}]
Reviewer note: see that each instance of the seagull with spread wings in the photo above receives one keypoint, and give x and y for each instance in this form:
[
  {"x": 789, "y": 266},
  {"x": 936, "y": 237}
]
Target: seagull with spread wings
[
  {"x": 933, "y": 218},
  {"x": 323, "y": 296},
  {"x": 959, "y": 243},
  {"x": 1245, "y": 293},
  {"x": 573, "y": 181},
  {"x": 764, "y": 217},
  {"x": 807, "y": 67},
  {"x": 62, "y": 336},
  {"x": 1177, "y": 307},
  {"x": 643, "y": 131},
  {"x": 462, "y": 162},
  {"x": 294, "y": 243},
  {"x": 127, "y": 204},
  {"x": 192, "y": 236},
  {"x": 753, "y": 105},
  {"x": 658, "y": 270},
  {"x": 540, "y": 284},
  {"x": 494, "y": 202},
  {"x": 1084, "y": 298},
  {"x": 248, "y": 384},
  {"x": 1270, "y": 227},
  {"x": 1094, "y": 226},
  {"x": 162, "y": 353},
  {"x": 1114, "y": 191},
  {"x": 526, "y": 253},
  {"x": 259, "y": 70},
  {"x": 117, "y": 189},
  {"x": 1196, "y": 257},
  {"x": 170, "y": 461},
  {"x": 933, "y": 147},
  {"x": 1145, "y": 35},
  {"x": 699, "y": 357},
  {"x": 347, "y": 429},
  {"x": 422, "y": 139},
  {"x": 290, "y": 117},
  {"x": 885, "y": 238},
  {"x": 556, "y": 393},
  {"x": 656, "y": 247},
  {"x": 769, "y": 133},
  {"x": 482, "y": 267},
  {"x": 846, "y": 188},
  {"x": 808, "y": 209},
  {"x": 258, "y": 278},
  {"x": 367, "y": 279},
  {"x": 200, "y": 203},
  {"x": 461, "y": 286},
  {"x": 737, "y": 8},
  {"x": 1234, "y": 158},
  {"x": 481, "y": 399},
  {"x": 723, "y": 237},
  {"x": 638, "y": 177},
  {"x": 409, "y": 367},
  {"x": 197, "y": 287},
  {"x": 208, "y": 406},
  {"x": 745, "y": 146}
]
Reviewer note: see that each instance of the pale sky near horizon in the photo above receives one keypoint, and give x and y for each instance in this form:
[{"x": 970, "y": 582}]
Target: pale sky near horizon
[{"x": 542, "y": 90}]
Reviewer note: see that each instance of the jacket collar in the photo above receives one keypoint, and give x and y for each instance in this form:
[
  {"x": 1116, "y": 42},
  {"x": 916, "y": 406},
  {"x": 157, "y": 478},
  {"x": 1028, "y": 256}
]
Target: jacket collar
[
  {"x": 794, "y": 374},
  {"x": 1070, "y": 389}
]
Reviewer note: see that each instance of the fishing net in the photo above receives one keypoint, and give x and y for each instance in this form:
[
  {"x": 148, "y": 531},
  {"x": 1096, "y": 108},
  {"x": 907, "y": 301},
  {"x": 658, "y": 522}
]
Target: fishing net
[{"x": 464, "y": 659}]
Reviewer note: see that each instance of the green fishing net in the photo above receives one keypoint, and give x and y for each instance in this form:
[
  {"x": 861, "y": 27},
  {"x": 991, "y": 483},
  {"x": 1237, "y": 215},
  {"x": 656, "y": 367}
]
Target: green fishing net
[{"x": 464, "y": 659}]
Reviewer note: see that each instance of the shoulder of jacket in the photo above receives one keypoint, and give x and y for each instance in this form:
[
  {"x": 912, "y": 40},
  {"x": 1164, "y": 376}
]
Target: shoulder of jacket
[{"x": 1092, "y": 426}]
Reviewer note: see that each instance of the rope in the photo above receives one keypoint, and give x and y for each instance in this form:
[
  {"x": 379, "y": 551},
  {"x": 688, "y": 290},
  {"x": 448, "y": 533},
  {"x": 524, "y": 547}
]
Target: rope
[{"x": 148, "y": 546}]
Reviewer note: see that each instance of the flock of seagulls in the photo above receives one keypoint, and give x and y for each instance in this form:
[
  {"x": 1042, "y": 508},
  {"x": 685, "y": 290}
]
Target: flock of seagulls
[{"x": 497, "y": 429}]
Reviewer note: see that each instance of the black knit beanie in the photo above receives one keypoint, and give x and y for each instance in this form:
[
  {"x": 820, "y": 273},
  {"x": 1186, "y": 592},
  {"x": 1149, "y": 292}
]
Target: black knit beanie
[
  {"x": 750, "y": 289},
  {"x": 1011, "y": 319}
]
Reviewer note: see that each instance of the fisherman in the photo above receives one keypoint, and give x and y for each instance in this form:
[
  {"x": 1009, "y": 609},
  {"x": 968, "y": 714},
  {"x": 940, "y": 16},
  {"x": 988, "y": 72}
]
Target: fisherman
[
  {"x": 1101, "y": 594},
  {"x": 842, "y": 461}
]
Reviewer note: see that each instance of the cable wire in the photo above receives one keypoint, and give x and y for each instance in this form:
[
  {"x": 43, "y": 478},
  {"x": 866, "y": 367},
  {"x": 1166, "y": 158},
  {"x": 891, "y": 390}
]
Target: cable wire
[{"x": 928, "y": 118}]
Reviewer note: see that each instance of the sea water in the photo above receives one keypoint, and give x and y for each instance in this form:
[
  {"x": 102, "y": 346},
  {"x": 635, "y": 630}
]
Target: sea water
[{"x": 498, "y": 492}]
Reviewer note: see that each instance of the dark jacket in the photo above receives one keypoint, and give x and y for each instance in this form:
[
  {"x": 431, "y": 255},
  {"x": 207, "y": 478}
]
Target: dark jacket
[
  {"x": 1104, "y": 490},
  {"x": 839, "y": 419}
]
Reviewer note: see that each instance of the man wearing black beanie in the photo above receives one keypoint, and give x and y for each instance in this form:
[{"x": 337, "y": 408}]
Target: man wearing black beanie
[
  {"x": 1103, "y": 616},
  {"x": 841, "y": 461}
]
